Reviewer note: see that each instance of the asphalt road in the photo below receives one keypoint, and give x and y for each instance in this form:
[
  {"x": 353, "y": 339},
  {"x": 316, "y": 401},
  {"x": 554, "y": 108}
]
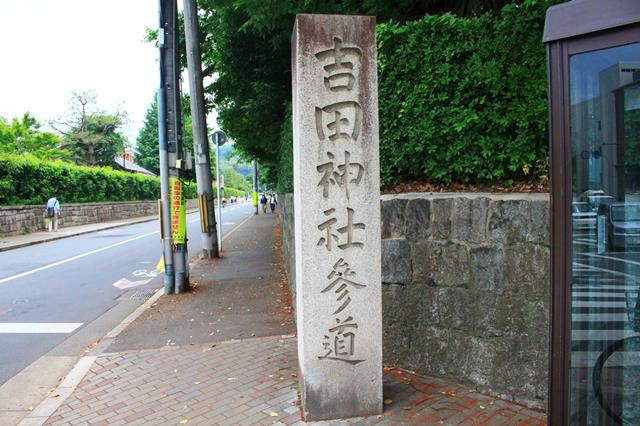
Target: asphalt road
[{"x": 66, "y": 284}]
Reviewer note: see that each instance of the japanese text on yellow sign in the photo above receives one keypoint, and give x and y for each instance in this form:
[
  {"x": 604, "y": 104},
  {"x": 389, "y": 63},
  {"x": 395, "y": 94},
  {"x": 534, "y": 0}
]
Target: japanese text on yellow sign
[{"x": 178, "y": 212}]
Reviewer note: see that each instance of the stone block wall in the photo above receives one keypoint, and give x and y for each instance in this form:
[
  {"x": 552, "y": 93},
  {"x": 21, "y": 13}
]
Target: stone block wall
[
  {"x": 466, "y": 281},
  {"x": 285, "y": 211},
  {"x": 16, "y": 220}
]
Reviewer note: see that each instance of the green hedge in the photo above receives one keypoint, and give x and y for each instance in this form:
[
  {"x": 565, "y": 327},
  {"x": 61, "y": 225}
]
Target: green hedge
[
  {"x": 27, "y": 180},
  {"x": 460, "y": 99},
  {"x": 464, "y": 99}
]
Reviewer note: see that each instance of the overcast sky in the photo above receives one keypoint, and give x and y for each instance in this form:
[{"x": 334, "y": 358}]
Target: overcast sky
[{"x": 53, "y": 47}]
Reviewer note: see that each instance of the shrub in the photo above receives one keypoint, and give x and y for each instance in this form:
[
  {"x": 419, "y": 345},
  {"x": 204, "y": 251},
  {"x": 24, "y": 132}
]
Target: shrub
[
  {"x": 27, "y": 180},
  {"x": 463, "y": 99}
]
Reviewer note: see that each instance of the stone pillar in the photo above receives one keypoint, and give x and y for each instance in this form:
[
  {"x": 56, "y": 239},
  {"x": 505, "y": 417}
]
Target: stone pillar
[{"x": 337, "y": 215}]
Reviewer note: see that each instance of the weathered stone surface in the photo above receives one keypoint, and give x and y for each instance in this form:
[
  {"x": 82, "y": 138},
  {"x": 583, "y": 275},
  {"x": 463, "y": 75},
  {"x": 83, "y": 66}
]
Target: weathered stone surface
[
  {"x": 540, "y": 222},
  {"x": 442, "y": 264},
  {"x": 337, "y": 215},
  {"x": 522, "y": 314},
  {"x": 487, "y": 268},
  {"x": 474, "y": 312},
  {"x": 400, "y": 312},
  {"x": 509, "y": 221},
  {"x": 521, "y": 369},
  {"x": 469, "y": 221},
  {"x": 417, "y": 220},
  {"x": 286, "y": 214},
  {"x": 392, "y": 215},
  {"x": 528, "y": 269},
  {"x": 441, "y": 218},
  {"x": 467, "y": 310},
  {"x": 396, "y": 261}
]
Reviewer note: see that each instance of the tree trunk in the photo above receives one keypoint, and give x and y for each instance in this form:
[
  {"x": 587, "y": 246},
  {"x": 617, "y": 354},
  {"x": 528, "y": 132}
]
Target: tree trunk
[{"x": 92, "y": 161}]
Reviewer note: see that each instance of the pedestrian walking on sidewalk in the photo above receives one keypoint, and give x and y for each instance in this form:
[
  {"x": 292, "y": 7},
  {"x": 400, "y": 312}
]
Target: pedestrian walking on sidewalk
[
  {"x": 52, "y": 213},
  {"x": 263, "y": 201},
  {"x": 272, "y": 202}
]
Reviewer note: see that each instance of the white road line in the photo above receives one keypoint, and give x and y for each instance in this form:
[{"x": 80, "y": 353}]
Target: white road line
[
  {"x": 38, "y": 327},
  {"x": 601, "y": 334},
  {"x": 585, "y": 244},
  {"x": 583, "y": 304},
  {"x": 599, "y": 317},
  {"x": 71, "y": 259},
  {"x": 595, "y": 268},
  {"x": 630, "y": 262},
  {"x": 598, "y": 294}
]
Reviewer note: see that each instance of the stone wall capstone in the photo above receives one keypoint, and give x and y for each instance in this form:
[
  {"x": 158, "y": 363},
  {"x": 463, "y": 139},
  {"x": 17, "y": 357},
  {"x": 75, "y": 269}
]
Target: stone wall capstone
[{"x": 465, "y": 282}]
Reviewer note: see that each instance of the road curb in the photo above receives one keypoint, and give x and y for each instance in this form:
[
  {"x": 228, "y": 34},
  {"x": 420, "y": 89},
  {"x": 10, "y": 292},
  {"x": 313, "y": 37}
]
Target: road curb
[{"x": 55, "y": 399}]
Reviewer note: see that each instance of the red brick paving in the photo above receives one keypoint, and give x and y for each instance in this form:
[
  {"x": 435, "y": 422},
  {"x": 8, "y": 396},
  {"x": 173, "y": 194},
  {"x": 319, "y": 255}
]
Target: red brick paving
[
  {"x": 245, "y": 382},
  {"x": 254, "y": 382}
]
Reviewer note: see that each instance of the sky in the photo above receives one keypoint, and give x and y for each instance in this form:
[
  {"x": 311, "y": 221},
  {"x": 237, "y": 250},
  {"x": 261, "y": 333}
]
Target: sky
[{"x": 50, "y": 48}]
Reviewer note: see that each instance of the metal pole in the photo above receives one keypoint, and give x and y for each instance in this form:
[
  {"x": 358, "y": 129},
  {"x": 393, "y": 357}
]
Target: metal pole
[
  {"x": 255, "y": 185},
  {"x": 219, "y": 195},
  {"x": 200, "y": 141},
  {"x": 169, "y": 279},
  {"x": 170, "y": 63}
]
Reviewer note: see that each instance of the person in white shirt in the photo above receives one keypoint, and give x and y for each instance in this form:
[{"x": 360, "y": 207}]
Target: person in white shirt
[
  {"x": 52, "y": 213},
  {"x": 272, "y": 202}
]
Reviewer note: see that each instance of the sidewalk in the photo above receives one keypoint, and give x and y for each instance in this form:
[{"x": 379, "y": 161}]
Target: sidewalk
[
  {"x": 225, "y": 354},
  {"x": 17, "y": 241}
]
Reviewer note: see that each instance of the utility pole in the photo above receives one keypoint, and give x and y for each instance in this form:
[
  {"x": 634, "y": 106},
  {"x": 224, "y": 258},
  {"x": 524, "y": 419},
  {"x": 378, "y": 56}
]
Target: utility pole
[
  {"x": 219, "y": 138},
  {"x": 170, "y": 126},
  {"x": 255, "y": 185},
  {"x": 165, "y": 203},
  {"x": 210, "y": 246}
]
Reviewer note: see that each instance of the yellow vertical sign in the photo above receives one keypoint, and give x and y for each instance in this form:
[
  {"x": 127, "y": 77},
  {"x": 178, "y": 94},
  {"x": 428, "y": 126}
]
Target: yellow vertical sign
[{"x": 178, "y": 212}]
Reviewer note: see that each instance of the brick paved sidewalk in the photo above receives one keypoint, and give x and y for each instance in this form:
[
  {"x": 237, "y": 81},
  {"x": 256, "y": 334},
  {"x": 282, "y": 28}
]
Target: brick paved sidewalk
[
  {"x": 192, "y": 359},
  {"x": 254, "y": 382}
]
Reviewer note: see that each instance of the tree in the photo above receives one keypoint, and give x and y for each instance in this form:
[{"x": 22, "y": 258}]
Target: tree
[
  {"x": 23, "y": 136},
  {"x": 89, "y": 134},
  {"x": 246, "y": 44},
  {"x": 147, "y": 140},
  {"x": 233, "y": 179}
]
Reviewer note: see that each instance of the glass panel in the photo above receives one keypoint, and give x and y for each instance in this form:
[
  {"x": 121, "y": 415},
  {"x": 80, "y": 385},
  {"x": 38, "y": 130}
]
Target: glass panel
[{"x": 605, "y": 326}]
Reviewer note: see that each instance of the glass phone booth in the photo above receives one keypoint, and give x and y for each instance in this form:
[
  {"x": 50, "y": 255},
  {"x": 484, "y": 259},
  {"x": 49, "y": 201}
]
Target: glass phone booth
[{"x": 593, "y": 51}]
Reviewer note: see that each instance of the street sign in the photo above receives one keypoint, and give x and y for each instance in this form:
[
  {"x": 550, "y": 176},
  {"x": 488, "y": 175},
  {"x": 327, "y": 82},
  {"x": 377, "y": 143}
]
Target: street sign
[{"x": 219, "y": 137}]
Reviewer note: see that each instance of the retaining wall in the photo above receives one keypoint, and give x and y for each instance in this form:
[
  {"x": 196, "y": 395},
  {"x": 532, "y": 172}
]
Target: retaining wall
[
  {"x": 16, "y": 220},
  {"x": 465, "y": 294}
]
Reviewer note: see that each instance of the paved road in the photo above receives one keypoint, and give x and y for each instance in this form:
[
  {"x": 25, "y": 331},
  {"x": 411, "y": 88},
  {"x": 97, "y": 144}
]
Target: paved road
[{"x": 66, "y": 284}]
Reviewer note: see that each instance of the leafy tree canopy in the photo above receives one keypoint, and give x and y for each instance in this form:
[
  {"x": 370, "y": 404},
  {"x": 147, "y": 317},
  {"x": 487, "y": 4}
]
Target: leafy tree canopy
[
  {"x": 147, "y": 141},
  {"x": 23, "y": 136},
  {"x": 233, "y": 179},
  {"x": 90, "y": 134},
  {"x": 246, "y": 47}
]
